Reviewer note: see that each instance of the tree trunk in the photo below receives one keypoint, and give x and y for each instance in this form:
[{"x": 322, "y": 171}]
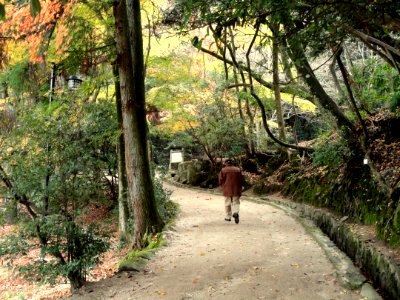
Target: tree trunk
[
  {"x": 75, "y": 274},
  {"x": 76, "y": 280},
  {"x": 123, "y": 209},
  {"x": 303, "y": 67},
  {"x": 286, "y": 63},
  {"x": 261, "y": 105},
  {"x": 275, "y": 66},
  {"x": 130, "y": 62},
  {"x": 269, "y": 132},
  {"x": 250, "y": 146}
]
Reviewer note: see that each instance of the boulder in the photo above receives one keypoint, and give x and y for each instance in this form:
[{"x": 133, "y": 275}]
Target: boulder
[{"x": 189, "y": 172}]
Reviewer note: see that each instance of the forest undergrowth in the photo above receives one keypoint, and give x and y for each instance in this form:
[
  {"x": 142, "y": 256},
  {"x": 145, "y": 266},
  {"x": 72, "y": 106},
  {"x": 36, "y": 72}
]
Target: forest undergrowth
[
  {"x": 14, "y": 286},
  {"x": 336, "y": 178}
]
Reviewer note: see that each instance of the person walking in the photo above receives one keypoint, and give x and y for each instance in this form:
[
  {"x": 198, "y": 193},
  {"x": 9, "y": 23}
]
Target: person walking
[{"x": 231, "y": 181}]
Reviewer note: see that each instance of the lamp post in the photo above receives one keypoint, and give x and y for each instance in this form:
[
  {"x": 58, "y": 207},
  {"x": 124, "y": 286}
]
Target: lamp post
[
  {"x": 73, "y": 83},
  {"x": 47, "y": 179},
  {"x": 52, "y": 81}
]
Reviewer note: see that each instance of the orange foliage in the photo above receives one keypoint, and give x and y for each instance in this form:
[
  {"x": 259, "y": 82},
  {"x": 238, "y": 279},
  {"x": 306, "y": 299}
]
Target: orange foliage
[{"x": 36, "y": 31}]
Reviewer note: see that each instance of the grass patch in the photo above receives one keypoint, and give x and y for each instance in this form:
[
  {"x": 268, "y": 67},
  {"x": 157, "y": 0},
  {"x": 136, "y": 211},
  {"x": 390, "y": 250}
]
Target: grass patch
[{"x": 135, "y": 259}]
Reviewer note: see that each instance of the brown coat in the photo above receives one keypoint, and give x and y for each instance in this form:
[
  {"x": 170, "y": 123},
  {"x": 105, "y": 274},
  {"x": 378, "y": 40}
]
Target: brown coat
[{"x": 231, "y": 181}]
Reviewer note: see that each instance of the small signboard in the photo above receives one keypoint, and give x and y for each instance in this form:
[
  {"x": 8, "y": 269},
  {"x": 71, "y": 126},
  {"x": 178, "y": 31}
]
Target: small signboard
[{"x": 176, "y": 156}]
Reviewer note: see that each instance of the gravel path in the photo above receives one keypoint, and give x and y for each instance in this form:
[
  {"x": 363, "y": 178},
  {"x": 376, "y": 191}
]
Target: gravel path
[{"x": 268, "y": 255}]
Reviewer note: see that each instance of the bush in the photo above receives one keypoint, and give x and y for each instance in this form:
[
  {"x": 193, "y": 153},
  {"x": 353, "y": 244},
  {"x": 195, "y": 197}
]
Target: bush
[
  {"x": 72, "y": 250},
  {"x": 166, "y": 208},
  {"x": 394, "y": 102},
  {"x": 54, "y": 163},
  {"x": 329, "y": 154}
]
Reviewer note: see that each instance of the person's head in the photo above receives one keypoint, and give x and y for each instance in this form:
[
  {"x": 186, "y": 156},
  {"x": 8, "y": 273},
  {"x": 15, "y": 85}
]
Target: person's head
[{"x": 229, "y": 162}]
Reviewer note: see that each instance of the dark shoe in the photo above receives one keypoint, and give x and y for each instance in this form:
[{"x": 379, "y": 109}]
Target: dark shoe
[
  {"x": 236, "y": 216},
  {"x": 228, "y": 219}
]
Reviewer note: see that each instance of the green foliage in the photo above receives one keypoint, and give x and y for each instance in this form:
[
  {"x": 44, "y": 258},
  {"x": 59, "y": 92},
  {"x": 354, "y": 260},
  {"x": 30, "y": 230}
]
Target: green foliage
[
  {"x": 218, "y": 129},
  {"x": 57, "y": 157},
  {"x": 394, "y": 102},
  {"x": 35, "y": 7},
  {"x": 71, "y": 149},
  {"x": 90, "y": 40},
  {"x": 170, "y": 81},
  {"x": 23, "y": 78},
  {"x": 166, "y": 208},
  {"x": 80, "y": 246},
  {"x": 13, "y": 244},
  {"x": 329, "y": 153},
  {"x": 159, "y": 145},
  {"x": 2, "y": 12},
  {"x": 163, "y": 140},
  {"x": 182, "y": 139},
  {"x": 380, "y": 85}
]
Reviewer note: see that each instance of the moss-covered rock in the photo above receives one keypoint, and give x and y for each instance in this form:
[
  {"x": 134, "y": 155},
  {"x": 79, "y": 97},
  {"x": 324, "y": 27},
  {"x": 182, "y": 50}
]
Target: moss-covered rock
[
  {"x": 359, "y": 198},
  {"x": 265, "y": 187},
  {"x": 189, "y": 172}
]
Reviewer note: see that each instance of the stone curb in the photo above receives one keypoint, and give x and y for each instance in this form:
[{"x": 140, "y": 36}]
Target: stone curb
[
  {"x": 380, "y": 269},
  {"x": 348, "y": 275},
  {"x": 334, "y": 237}
]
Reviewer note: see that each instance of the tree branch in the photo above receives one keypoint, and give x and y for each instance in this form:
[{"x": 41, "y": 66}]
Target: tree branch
[
  {"x": 269, "y": 132},
  {"x": 369, "y": 39},
  {"x": 258, "y": 78},
  {"x": 349, "y": 91}
]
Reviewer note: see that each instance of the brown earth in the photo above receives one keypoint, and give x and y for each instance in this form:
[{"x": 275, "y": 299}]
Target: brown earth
[{"x": 268, "y": 255}]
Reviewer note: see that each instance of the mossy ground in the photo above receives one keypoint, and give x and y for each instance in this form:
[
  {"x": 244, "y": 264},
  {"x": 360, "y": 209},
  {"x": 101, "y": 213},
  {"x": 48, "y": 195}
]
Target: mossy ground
[{"x": 135, "y": 259}]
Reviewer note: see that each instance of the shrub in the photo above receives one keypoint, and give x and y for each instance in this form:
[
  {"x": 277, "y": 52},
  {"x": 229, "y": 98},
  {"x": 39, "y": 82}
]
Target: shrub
[
  {"x": 54, "y": 164},
  {"x": 329, "y": 154},
  {"x": 394, "y": 102},
  {"x": 166, "y": 208},
  {"x": 69, "y": 250}
]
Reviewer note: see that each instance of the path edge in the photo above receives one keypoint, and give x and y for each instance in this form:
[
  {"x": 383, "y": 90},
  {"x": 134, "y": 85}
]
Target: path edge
[
  {"x": 379, "y": 268},
  {"x": 335, "y": 236}
]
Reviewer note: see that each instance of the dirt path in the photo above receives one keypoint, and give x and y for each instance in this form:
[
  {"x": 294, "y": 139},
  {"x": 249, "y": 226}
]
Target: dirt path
[{"x": 268, "y": 255}]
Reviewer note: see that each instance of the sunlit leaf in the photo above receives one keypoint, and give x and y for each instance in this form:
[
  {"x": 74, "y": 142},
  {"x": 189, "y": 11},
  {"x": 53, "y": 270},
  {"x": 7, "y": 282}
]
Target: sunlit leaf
[
  {"x": 35, "y": 7},
  {"x": 2, "y": 12}
]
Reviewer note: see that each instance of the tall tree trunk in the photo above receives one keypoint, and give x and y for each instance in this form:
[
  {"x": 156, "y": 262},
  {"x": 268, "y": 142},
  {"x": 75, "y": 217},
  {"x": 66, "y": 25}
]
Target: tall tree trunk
[
  {"x": 131, "y": 73},
  {"x": 275, "y": 76},
  {"x": 123, "y": 209},
  {"x": 250, "y": 146},
  {"x": 261, "y": 105},
  {"x": 339, "y": 90},
  {"x": 285, "y": 62}
]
